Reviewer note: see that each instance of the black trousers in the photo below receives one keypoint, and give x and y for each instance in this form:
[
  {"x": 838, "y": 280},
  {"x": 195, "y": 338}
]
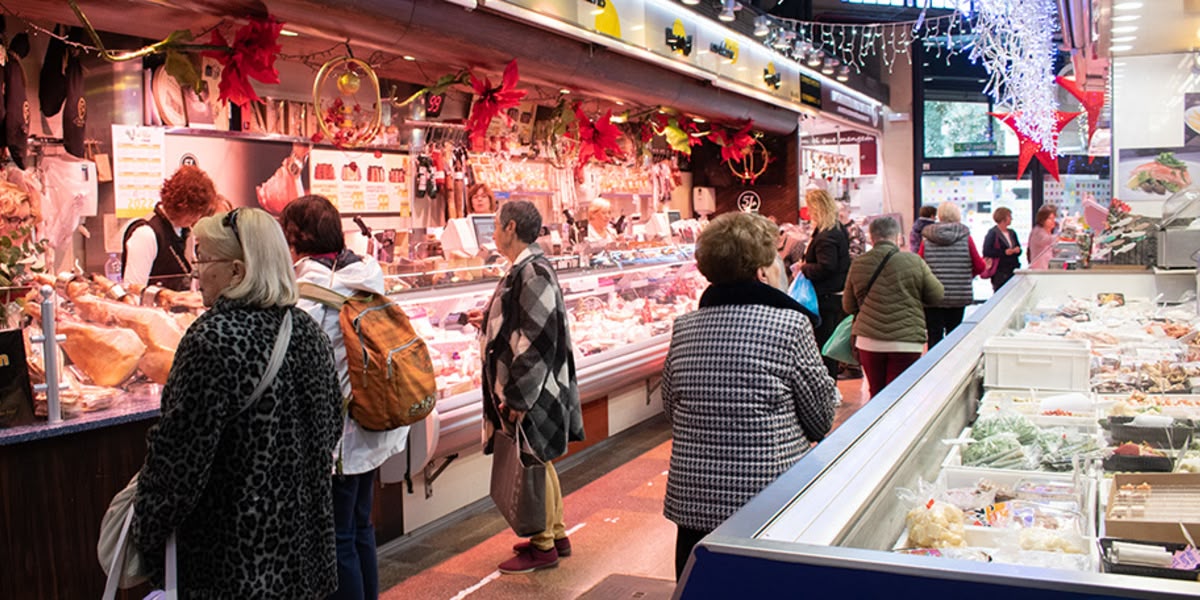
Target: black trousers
[
  {"x": 939, "y": 322},
  {"x": 685, "y": 540},
  {"x": 830, "y": 306}
]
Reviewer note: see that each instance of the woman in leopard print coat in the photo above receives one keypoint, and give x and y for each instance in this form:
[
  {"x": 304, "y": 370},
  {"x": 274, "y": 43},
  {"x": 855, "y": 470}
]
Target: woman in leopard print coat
[{"x": 246, "y": 493}]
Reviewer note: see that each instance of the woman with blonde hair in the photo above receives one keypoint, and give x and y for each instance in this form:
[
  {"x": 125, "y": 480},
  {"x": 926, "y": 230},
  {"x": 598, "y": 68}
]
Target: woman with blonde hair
[
  {"x": 950, "y": 252},
  {"x": 237, "y": 468},
  {"x": 826, "y": 263},
  {"x": 743, "y": 385}
]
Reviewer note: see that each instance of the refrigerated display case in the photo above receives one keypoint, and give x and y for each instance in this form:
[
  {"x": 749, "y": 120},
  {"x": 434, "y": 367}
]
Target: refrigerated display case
[
  {"x": 620, "y": 319},
  {"x": 829, "y": 524}
]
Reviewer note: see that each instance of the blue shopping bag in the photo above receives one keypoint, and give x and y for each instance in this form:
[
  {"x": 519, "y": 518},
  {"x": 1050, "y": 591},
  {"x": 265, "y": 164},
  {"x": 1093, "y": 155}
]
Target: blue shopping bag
[{"x": 802, "y": 291}]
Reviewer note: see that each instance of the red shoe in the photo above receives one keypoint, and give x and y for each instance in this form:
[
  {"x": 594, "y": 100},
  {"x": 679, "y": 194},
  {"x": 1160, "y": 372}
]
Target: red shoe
[
  {"x": 563, "y": 546},
  {"x": 530, "y": 560}
]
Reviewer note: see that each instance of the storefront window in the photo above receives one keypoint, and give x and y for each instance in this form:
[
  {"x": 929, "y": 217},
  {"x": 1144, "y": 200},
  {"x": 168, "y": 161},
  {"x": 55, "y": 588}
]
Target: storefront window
[{"x": 957, "y": 129}]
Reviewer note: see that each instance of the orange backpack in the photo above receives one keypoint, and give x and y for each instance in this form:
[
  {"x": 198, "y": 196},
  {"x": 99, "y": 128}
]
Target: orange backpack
[{"x": 392, "y": 382}]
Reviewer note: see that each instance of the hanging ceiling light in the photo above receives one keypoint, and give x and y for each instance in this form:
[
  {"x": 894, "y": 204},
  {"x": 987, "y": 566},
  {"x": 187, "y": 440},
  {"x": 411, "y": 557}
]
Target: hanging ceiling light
[
  {"x": 761, "y": 26},
  {"x": 727, "y": 11},
  {"x": 843, "y": 73},
  {"x": 827, "y": 68},
  {"x": 783, "y": 39},
  {"x": 814, "y": 59},
  {"x": 691, "y": 2}
]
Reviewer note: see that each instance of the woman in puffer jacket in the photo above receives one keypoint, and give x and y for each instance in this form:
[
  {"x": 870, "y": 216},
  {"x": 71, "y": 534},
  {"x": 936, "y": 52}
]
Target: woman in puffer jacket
[{"x": 950, "y": 252}]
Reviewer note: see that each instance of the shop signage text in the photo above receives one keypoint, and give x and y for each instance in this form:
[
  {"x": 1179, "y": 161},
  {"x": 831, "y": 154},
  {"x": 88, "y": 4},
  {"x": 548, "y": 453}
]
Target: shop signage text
[{"x": 810, "y": 91}]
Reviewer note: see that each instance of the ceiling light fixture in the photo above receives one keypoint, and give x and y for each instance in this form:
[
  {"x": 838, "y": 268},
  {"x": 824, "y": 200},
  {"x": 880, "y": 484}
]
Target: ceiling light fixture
[
  {"x": 1121, "y": 48},
  {"x": 843, "y": 73},
  {"x": 814, "y": 59},
  {"x": 564, "y": 91},
  {"x": 827, "y": 68},
  {"x": 699, "y": 119},
  {"x": 1125, "y": 29},
  {"x": 762, "y": 26},
  {"x": 1127, "y": 5},
  {"x": 1129, "y": 38},
  {"x": 691, "y": 2},
  {"x": 408, "y": 57},
  {"x": 727, "y": 11},
  {"x": 288, "y": 33},
  {"x": 1121, "y": 18}
]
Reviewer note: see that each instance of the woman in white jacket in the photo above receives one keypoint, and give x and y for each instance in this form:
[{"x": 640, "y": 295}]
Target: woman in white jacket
[{"x": 313, "y": 228}]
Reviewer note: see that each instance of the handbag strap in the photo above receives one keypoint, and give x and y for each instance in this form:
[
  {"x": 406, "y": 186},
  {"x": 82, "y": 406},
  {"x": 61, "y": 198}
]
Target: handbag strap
[
  {"x": 875, "y": 275},
  {"x": 282, "y": 339}
]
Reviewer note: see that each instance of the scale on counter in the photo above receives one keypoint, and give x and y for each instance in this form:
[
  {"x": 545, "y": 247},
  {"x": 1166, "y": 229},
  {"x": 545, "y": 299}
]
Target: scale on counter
[{"x": 1179, "y": 232}]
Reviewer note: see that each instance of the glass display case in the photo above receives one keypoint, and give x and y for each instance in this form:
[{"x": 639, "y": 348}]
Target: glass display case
[
  {"x": 832, "y": 522},
  {"x": 620, "y": 317}
]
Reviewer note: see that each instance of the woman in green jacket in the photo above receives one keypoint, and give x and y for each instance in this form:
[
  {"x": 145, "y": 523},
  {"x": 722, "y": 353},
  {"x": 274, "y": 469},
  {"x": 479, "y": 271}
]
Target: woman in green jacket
[{"x": 890, "y": 312}]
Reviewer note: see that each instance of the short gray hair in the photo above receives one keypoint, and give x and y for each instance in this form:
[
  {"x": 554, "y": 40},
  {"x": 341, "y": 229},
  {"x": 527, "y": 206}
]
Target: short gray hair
[
  {"x": 884, "y": 229},
  {"x": 948, "y": 212},
  {"x": 526, "y": 216}
]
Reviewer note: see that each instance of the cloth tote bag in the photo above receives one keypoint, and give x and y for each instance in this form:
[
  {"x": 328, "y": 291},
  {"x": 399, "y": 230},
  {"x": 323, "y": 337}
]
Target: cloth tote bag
[{"x": 518, "y": 484}]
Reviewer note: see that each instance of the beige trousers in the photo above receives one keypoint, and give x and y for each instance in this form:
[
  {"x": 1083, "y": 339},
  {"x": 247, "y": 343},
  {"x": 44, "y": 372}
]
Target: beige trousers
[{"x": 554, "y": 513}]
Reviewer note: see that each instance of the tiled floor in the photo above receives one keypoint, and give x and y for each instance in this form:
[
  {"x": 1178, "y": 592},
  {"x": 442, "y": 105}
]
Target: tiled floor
[{"x": 613, "y": 506}]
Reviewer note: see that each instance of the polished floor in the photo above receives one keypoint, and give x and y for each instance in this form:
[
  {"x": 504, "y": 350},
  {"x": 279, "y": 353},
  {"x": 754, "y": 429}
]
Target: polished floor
[{"x": 622, "y": 546}]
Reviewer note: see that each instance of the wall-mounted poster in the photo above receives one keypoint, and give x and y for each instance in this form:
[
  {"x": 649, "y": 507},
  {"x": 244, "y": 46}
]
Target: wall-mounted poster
[
  {"x": 138, "y": 169},
  {"x": 363, "y": 182},
  {"x": 1155, "y": 174}
]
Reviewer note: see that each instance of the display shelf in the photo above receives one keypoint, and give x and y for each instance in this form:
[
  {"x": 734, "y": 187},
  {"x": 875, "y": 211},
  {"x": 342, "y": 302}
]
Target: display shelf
[{"x": 832, "y": 520}]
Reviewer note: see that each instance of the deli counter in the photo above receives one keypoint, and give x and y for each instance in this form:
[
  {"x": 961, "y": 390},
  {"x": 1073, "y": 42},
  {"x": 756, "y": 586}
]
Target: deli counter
[
  {"x": 831, "y": 524},
  {"x": 620, "y": 315}
]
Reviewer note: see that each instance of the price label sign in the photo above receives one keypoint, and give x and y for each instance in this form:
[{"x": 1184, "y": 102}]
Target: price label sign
[{"x": 434, "y": 104}]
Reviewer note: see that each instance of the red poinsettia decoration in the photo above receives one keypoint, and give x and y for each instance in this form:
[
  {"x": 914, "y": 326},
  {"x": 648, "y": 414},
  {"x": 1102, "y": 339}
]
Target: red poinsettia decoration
[
  {"x": 252, "y": 55},
  {"x": 491, "y": 101},
  {"x": 735, "y": 144},
  {"x": 597, "y": 139}
]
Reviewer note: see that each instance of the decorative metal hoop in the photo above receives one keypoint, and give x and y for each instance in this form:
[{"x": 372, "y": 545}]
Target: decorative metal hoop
[{"x": 364, "y": 134}]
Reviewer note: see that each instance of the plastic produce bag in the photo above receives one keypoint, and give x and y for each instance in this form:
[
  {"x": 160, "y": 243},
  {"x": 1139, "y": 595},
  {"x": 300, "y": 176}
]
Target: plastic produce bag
[{"x": 802, "y": 291}]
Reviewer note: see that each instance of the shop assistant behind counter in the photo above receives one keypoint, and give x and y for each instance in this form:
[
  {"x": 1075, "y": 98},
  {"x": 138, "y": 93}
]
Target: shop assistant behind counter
[{"x": 154, "y": 249}]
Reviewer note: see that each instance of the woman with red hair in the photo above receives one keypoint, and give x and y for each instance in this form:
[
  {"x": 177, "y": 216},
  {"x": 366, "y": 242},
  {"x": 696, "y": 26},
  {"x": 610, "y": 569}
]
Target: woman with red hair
[{"x": 154, "y": 248}]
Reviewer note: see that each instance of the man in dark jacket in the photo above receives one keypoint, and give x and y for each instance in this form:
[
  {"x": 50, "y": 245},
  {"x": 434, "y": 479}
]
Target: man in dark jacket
[{"x": 529, "y": 372}]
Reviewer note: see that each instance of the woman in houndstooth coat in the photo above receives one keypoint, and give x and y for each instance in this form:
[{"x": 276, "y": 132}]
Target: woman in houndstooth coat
[{"x": 743, "y": 386}]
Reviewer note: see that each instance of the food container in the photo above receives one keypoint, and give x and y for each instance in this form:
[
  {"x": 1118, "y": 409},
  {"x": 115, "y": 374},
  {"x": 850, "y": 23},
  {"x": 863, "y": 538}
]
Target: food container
[
  {"x": 1123, "y": 429},
  {"x": 1047, "y": 364},
  {"x": 1152, "y": 506},
  {"x": 1145, "y": 571}
]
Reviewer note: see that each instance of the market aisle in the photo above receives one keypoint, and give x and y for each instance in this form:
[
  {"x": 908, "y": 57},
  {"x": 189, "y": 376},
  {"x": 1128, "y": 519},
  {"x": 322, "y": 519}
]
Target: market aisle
[{"x": 613, "y": 514}]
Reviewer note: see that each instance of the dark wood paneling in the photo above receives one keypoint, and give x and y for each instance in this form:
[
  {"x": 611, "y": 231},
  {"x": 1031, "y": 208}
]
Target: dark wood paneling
[
  {"x": 780, "y": 199},
  {"x": 387, "y": 512},
  {"x": 54, "y": 493}
]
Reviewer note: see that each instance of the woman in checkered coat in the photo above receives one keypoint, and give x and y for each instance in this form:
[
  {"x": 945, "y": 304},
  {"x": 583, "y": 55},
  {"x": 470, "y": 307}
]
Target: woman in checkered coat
[{"x": 743, "y": 386}]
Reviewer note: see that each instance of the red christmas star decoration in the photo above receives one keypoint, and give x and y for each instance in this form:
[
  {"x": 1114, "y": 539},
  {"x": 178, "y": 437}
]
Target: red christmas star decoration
[
  {"x": 1092, "y": 101},
  {"x": 491, "y": 101},
  {"x": 1030, "y": 148}
]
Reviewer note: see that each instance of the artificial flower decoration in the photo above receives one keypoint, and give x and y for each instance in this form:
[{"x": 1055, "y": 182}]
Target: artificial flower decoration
[
  {"x": 680, "y": 135},
  {"x": 1030, "y": 148},
  {"x": 735, "y": 144},
  {"x": 491, "y": 101},
  {"x": 252, "y": 55},
  {"x": 597, "y": 139}
]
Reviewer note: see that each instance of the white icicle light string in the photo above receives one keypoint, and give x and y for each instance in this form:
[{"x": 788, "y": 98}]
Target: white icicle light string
[
  {"x": 853, "y": 44},
  {"x": 1016, "y": 45}
]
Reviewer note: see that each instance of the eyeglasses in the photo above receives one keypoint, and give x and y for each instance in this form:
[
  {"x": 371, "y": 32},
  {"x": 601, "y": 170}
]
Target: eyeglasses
[
  {"x": 230, "y": 221},
  {"x": 195, "y": 272}
]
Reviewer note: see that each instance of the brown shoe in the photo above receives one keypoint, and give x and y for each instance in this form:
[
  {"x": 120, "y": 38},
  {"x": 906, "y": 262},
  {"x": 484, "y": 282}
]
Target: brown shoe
[
  {"x": 530, "y": 560},
  {"x": 563, "y": 546}
]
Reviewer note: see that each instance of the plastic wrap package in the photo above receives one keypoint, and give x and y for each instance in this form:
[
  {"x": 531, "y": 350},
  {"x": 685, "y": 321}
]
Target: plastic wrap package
[
  {"x": 1000, "y": 451},
  {"x": 991, "y": 425},
  {"x": 71, "y": 195}
]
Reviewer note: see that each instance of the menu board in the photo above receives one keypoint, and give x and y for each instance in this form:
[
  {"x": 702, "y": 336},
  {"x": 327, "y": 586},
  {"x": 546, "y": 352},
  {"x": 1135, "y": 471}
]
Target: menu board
[
  {"x": 511, "y": 175},
  {"x": 363, "y": 182},
  {"x": 615, "y": 179},
  {"x": 139, "y": 168}
]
